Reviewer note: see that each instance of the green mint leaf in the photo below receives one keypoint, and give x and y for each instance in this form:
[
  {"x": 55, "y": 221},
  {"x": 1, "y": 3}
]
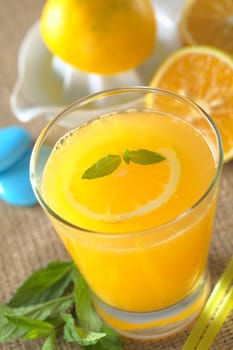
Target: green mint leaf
[
  {"x": 33, "y": 328},
  {"x": 104, "y": 166},
  {"x": 142, "y": 156},
  {"x": 111, "y": 341},
  {"x": 8, "y": 331},
  {"x": 43, "y": 285},
  {"x": 87, "y": 317},
  {"x": 49, "y": 343},
  {"x": 5, "y": 309},
  {"x": 79, "y": 335},
  {"x": 52, "y": 308}
]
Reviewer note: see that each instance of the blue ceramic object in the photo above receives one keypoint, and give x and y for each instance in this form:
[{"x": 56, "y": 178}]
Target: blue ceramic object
[
  {"x": 14, "y": 142},
  {"x": 15, "y": 186}
]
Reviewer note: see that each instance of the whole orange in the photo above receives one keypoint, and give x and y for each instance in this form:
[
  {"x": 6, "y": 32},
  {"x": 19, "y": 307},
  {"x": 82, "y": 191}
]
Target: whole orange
[{"x": 99, "y": 36}]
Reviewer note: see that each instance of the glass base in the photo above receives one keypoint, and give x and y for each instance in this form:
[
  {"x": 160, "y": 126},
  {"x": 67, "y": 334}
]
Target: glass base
[{"x": 156, "y": 324}]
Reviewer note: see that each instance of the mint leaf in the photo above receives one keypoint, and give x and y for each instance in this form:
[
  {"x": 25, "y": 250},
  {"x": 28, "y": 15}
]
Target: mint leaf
[
  {"x": 43, "y": 285},
  {"x": 111, "y": 341},
  {"x": 8, "y": 331},
  {"x": 49, "y": 343},
  {"x": 48, "y": 309},
  {"x": 87, "y": 317},
  {"x": 52, "y": 308},
  {"x": 33, "y": 328},
  {"x": 103, "y": 167},
  {"x": 79, "y": 335},
  {"x": 142, "y": 156}
]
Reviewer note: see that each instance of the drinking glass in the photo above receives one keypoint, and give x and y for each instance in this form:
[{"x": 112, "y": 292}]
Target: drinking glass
[{"x": 149, "y": 282}]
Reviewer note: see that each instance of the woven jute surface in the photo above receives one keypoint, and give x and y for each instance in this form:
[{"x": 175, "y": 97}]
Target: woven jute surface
[{"x": 27, "y": 240}]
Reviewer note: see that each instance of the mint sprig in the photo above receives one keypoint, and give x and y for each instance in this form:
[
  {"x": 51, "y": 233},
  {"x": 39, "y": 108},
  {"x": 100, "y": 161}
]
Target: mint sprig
[
  {"x": 109, "y": 163},
  {"x": 53, "y": 302}
]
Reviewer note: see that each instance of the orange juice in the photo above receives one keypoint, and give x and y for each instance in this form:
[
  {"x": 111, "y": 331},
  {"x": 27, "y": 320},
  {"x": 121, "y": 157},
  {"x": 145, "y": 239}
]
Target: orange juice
[{"x": 162, "y": 264}]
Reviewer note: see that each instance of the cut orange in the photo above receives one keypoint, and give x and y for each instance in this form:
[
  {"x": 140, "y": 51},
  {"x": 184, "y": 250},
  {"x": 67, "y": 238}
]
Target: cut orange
[
  {"x": 205, "y": 75},
  {"x": 161, "y": 179},
  {"x": 99, "y": 36},
  {"x": 208, "y": 22}
]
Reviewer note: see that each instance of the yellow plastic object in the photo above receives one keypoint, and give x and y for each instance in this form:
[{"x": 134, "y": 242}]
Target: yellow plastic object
[{"x": 214, "y": 313}]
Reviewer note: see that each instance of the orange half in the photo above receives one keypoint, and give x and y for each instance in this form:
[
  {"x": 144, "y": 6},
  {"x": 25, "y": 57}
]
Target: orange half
[{"x": 205, "y": 75}]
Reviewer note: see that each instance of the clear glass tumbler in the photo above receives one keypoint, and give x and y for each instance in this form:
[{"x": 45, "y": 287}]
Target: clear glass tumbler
[{"x": 147, "y": 269}]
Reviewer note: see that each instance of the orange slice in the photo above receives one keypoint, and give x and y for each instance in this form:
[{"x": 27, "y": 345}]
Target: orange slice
[
  {"x": 208, "y": 22},
  {"x": 205, "y": 75},
  {"x": 131, "y": 197}
]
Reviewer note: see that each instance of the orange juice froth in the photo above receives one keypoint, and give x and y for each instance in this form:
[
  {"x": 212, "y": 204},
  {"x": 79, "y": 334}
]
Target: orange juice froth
[{"x": 152, "y": 275}]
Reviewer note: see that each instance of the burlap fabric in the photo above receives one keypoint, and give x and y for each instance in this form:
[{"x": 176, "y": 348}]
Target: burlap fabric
[{"x": 27, "y": 240}]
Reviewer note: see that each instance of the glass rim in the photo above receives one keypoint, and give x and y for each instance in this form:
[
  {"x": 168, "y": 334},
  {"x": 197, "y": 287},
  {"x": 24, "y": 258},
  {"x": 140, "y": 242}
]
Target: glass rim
[{"x": 105, "y": 93}]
